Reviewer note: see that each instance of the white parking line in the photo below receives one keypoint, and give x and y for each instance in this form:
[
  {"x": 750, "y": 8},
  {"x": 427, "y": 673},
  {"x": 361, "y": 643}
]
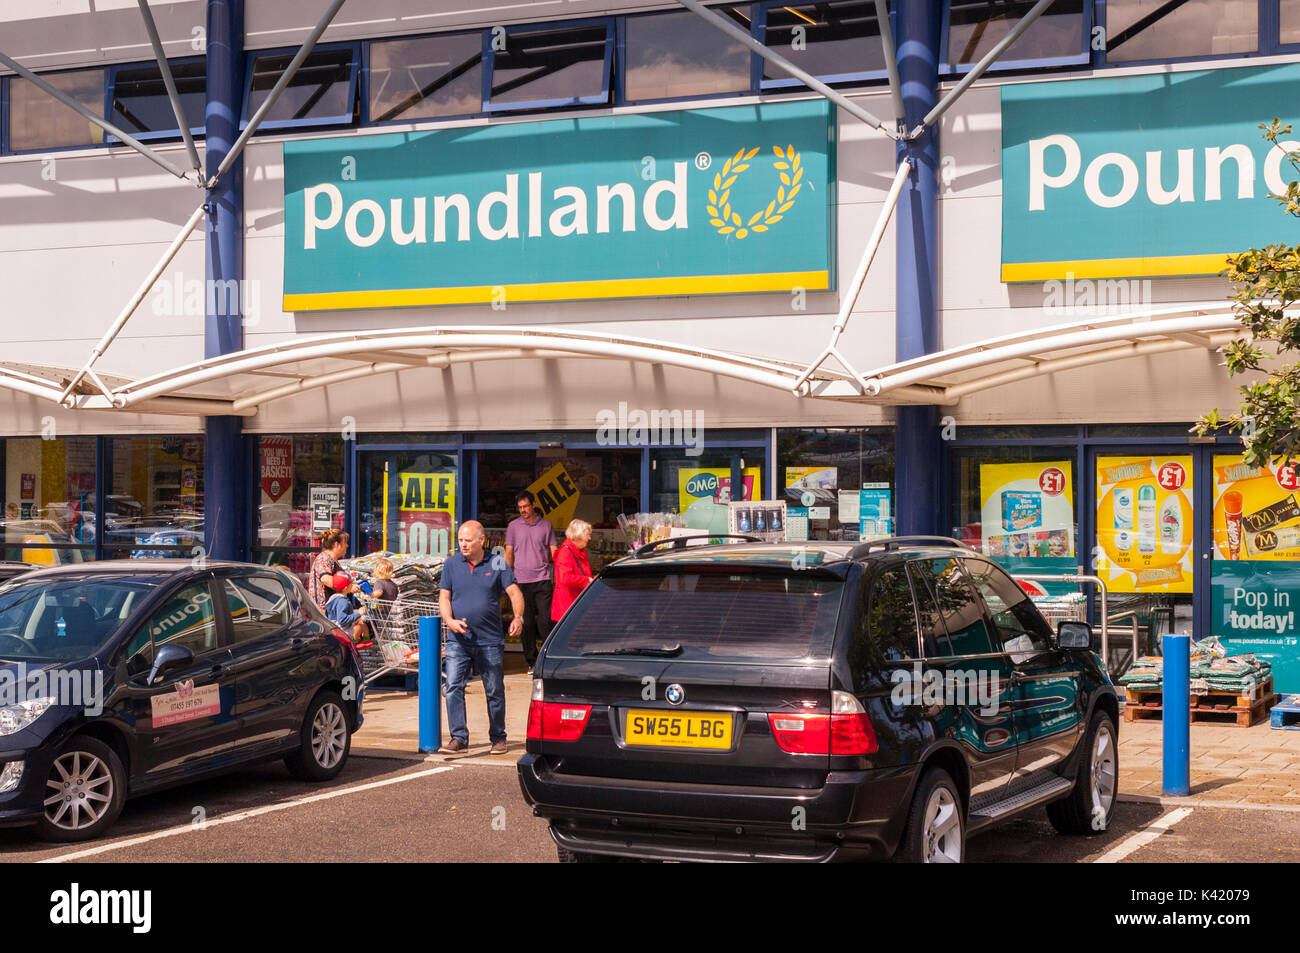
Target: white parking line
[
  {"x": 1139, "y": 839},
  {"x": 241, "y": 816}
]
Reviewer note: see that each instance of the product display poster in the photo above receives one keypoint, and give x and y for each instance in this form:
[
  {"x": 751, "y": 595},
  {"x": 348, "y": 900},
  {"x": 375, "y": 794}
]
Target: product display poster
[
  {"x": 1027, "y": 509},
  {"x": 796, "y": 524},
  {"x": 1144, "y": 523},
  {"x": 875, "y": 514},
  {"x": 1256, "y": 510},
  {"x": 426, "y": 512},
  {"x": 695, "y": 484},
  {"x": 1254, "y": 608},
  {"x": 810, "y": 485}
]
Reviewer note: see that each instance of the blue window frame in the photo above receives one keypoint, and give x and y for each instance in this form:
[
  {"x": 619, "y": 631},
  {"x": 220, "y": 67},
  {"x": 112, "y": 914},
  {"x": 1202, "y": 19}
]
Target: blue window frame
[
  {"x": 540, "y": 56},
  {"x": 323, "y": 91},
  {"x": 838, "y": 30},
  {"x": 442, "y": 78},
  {"x": 1060, "y": 37},
  {"x": 138, "y": 103}
]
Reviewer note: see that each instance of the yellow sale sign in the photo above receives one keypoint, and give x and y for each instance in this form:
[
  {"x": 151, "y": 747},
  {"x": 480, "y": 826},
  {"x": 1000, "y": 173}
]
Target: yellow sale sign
[
  {"x": 1027, "y": 509},
  {"x": 1144, "y": 523},
  {"x": 556, "y": 497},
  {"x": 1256, "y": 510}
]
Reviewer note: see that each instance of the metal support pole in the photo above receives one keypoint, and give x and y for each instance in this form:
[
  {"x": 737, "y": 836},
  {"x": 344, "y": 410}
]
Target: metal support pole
[
  {"x": 1176, "y": 715},
  {"x": 978, "y": 69},
  {"x": 812, "y": 82},
  {"x": 280, "y": 86},
  {"x": 125, "y": 314},
  {"x": 170, "y": 82},
  {"x": 99, "y": 121},
  {"x": 430, "y": 684},
  {"x": 860, "y": 276},
  {"x": 891, "y": 59}
]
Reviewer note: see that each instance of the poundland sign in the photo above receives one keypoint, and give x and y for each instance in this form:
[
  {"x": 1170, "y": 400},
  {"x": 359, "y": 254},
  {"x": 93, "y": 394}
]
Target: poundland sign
[
  {"x": 1163, "y": 174},
  {"x": 707, "y": 201}
]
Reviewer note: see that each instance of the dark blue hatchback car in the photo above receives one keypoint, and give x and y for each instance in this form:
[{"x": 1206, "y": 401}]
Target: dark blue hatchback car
[{"x": 118, "y": 678}]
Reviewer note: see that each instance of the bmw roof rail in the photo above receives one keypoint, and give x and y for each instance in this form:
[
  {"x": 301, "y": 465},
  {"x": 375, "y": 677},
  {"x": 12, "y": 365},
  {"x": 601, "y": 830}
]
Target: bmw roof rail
[
  {"x": 680, "y": 542},
  {"x": 897, "y": 542}
]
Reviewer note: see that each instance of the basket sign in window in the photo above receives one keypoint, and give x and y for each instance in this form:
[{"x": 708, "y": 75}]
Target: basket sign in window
[
  {"x": 708, "y": 201},
  {"x": 1159, "y": 174}
]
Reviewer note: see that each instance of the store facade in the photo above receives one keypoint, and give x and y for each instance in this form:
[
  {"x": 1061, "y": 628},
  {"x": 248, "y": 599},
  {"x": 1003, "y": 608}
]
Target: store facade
[{"x": 630, "y": 176}]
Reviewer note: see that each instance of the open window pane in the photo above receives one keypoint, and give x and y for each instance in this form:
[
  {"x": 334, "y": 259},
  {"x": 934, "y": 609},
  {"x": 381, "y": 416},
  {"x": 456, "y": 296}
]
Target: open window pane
[
  {"x": 140, "y": 103},
  {"x": 426, "y": 78},
  {"x": 975, "y": 26},
  {"x": 675, "y": 54},
  {"x": 39, "y": 121},
  {"x": 1172, "y": 29},
  {"x": 830, "y": 40},
  {"x": 321, "y": 90},
  {"x": 553, "y": 67}
]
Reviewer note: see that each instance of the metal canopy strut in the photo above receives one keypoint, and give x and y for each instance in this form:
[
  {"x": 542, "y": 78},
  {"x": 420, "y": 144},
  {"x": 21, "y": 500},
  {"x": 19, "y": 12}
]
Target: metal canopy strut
[
  {"x": 169, "y": 81},
  {"x": 66, "y": 397}
]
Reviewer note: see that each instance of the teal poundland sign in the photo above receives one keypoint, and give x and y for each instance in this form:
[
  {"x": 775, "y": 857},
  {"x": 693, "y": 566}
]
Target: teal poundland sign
[
  {"x": 1164, "y": 174},
  {"x": 705, "y": 201}
]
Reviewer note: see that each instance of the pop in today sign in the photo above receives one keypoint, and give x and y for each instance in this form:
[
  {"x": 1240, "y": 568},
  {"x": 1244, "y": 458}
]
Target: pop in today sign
[
  {"x": 1164, "y": 174},
  {"x": 706, "y": 201}
]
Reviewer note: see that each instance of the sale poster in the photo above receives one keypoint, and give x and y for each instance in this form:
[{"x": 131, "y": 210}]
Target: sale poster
[
  {"x": 426, "y": 513},
  {"x": 1144, "y": 523},
  {"x": 1027, "y": 510},
  {"x": 1256, "y": 510},
  {"x": 555, "y": 494}
]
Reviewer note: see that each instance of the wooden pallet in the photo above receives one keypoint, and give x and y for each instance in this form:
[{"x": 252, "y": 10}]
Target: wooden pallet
[
  {"x": 1212, "y": 708},
  {"x": 1286, "y": 713}
]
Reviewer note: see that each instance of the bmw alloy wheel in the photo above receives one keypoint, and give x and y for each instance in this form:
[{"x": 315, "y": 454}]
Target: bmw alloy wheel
[
  {"x": 1103, "y": 768},
  {"x": 943, "y": 841},
  {"x": 329, "y": 735},
  {"x": 79, "y": 791}
]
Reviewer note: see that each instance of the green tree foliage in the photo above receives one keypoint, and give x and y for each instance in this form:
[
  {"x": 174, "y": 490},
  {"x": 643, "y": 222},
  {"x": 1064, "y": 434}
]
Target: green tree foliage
[{"x": 1267, "y": 284}]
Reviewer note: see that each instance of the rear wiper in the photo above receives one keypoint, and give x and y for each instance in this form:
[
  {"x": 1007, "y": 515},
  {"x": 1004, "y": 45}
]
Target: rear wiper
[{"x": 666, "y": 651}]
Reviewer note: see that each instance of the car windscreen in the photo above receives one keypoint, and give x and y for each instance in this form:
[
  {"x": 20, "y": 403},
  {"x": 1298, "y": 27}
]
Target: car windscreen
[
  {"x": 704, "y": 614},
  {"x": 66, "y": 619}
]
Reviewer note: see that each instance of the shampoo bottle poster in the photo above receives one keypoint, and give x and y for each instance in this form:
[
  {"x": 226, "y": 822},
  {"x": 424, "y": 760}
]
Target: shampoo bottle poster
[{"x": 1144, "y": 523}]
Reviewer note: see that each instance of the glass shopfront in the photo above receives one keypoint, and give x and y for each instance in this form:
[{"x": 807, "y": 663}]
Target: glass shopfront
[
  {"x": 300, "y": 487},
  {"x": 841, "y": 479},
  {"x": 49, "y": 499}
]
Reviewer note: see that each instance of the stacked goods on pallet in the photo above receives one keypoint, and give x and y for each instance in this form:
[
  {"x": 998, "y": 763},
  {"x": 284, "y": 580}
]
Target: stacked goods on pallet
[
  {"x": 1238, "y": 686},
  {"x": 1241, "y": 674},
  {"x": 1146, "y": 674}
]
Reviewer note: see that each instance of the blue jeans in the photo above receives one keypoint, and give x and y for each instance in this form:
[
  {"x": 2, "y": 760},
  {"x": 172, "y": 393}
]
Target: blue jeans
[{"x": 489, "y": 661}]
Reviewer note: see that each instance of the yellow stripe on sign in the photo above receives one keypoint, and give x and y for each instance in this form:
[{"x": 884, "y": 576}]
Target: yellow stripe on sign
[
  {"x": 560, "y": 291},
  {"x": 1117, "y": 268}
]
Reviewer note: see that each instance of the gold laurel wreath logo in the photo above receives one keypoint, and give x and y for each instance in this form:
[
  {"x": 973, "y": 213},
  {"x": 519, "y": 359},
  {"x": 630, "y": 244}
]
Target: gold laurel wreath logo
[{"x": 727, "y": 220}]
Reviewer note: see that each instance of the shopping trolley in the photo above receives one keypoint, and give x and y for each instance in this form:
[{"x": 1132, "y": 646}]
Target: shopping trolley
[{"x": 395, "y": 636}]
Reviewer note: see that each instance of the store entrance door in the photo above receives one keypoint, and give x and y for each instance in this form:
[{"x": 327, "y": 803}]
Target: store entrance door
[
  {"x": 1146, "y": 513},
  {"x": 409, "y": 499}
]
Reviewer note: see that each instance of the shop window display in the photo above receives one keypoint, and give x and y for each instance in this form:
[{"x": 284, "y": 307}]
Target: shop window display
[
  {"x": 300, "y": 488},
  {"x": 698, "y": 488},
  {"x": 838, "y": 483},
  {"x": 155, "y": 497},
  {"x": 49, "y": 499}
]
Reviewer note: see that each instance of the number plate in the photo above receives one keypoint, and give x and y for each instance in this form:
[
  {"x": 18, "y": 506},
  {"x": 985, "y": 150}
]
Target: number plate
[{"x": 663, "y": 729}]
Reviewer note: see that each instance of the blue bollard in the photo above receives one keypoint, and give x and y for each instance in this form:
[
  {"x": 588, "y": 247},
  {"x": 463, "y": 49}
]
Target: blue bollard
[
  {"x": 1176, "y": 702},
  {"x": 430, "y": 685}
]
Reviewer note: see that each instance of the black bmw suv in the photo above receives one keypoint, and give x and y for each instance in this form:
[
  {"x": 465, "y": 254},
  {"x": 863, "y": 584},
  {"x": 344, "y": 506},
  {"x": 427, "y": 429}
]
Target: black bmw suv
[{"x": 813, "y": 702}]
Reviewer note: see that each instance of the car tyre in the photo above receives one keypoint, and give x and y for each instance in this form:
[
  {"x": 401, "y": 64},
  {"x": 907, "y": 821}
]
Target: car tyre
[
  {"x": 1088, "y": 808},
  {"x": 326, "y": 740},
  {"x": 84, "y": 791},
  {"x": 936, "y": 823}
]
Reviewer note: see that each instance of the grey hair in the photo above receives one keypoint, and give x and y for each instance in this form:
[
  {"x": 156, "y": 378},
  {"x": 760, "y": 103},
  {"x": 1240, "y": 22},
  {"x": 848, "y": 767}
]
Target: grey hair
[{"x": 578, "y": 528}]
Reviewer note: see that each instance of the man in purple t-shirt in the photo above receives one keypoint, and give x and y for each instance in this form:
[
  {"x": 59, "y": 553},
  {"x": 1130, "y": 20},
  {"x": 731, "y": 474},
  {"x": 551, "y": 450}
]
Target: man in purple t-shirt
[{"x": 530, "y": 546}]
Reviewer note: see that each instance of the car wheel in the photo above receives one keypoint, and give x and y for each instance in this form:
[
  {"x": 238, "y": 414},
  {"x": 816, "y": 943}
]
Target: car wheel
[
  {"x": 1088, "y": 808},
  {"x": 936, "y": 825},
  {"x": 326, "y": 740},
  {"x": 84, "y": 791}
]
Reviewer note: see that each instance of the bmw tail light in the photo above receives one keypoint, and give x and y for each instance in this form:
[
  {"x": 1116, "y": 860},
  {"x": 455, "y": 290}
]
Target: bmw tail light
[
  {"x": 846, "y": 731},
  {"x": 555, "y": 721}
]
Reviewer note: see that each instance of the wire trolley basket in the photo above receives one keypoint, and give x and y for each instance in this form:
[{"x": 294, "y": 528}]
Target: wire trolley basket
[{"x": 395, "y": 636}]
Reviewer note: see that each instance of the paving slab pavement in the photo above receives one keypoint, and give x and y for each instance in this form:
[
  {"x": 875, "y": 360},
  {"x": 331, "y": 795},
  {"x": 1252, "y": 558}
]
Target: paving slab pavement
[{"x": 1231, "y": 767}]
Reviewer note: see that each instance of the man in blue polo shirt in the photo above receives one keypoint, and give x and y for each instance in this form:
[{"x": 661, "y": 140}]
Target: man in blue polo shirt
[{"x": 470, "y": 604}]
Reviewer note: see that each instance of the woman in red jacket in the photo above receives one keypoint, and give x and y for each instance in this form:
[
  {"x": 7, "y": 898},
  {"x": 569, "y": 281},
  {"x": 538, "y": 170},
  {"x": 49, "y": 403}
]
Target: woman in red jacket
[{"x": 572, "y": 567}]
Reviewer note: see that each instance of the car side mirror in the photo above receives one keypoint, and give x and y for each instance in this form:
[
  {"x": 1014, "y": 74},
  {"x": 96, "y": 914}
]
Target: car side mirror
[
  {"x": 1074, "y": 635},
  {"x": 169, "y": 657}
]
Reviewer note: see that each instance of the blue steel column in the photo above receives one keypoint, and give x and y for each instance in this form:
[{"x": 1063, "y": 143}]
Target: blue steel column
[
  {"x": 225, "y": 461},
  {"x": 917, "y": 458}
]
